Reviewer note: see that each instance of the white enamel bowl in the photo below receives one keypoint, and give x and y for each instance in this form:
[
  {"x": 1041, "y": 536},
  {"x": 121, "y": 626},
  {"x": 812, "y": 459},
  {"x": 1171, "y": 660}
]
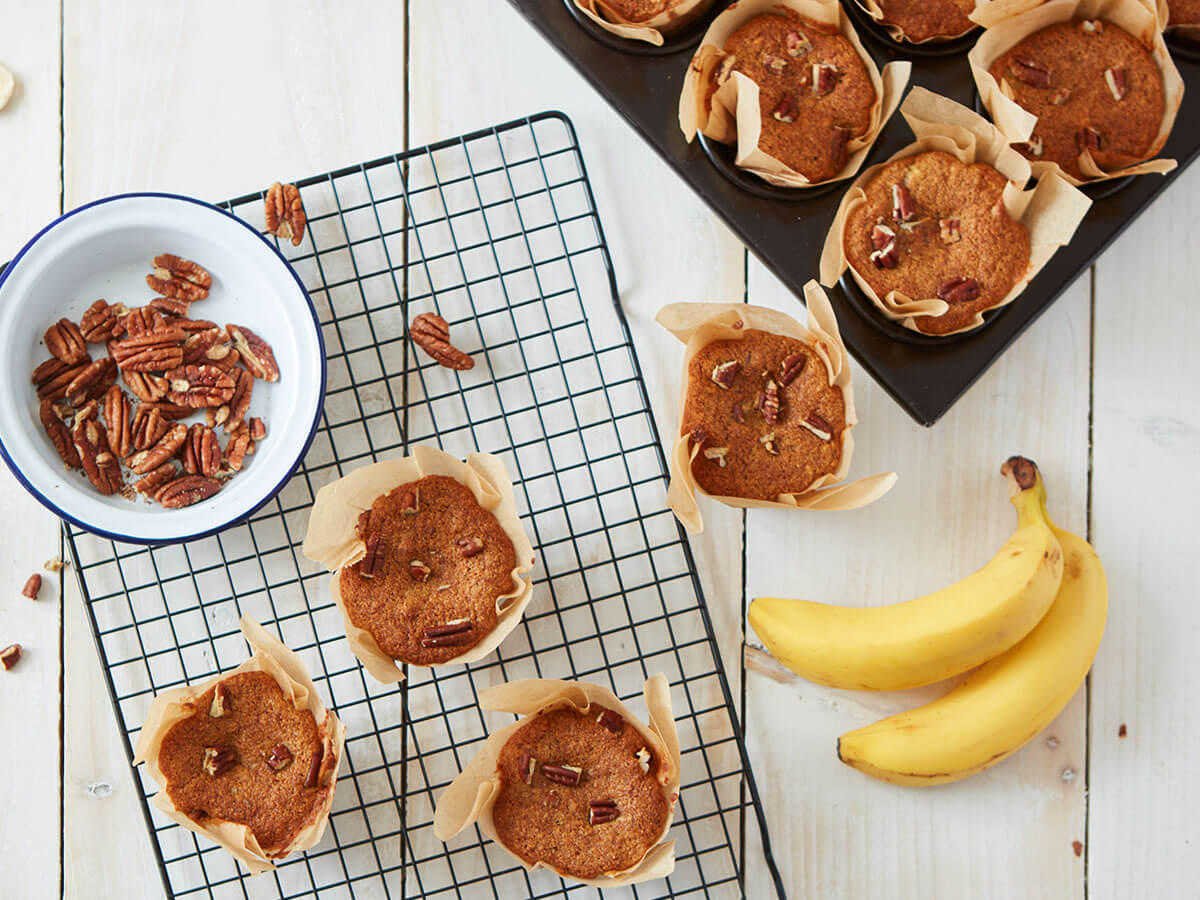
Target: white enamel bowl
[{"x": 104, "y": 249}]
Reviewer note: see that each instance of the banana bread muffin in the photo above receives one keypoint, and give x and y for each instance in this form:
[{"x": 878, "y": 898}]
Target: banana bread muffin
[
  {"x": 924, "y": 20},
  {"x": 579, "y": 792},
  {"x": 1093, "y": 86},
  {"x": 247, "y": 755},
  {"x": 815, "y": 93},
  {"x": 764, "y": 415},
  {"x": 933, "y": 226},
  {"x": 636, "y": 10},
  {"x": 435, "y": 565},
  {"x": 1183, "y": 12}
]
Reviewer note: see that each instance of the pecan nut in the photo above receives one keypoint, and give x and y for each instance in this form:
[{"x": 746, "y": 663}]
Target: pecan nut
[
  {"x": 166, "y": 447},
  {"x": 169, "y": 307},
  {"x": 723, "y": 374},
  {"x": 278, "y": 758},
  {"x": 791, "y": 367},
  {"x": 152, "y": 351},
  {"x": 65, "y": 341},
  {"x": 118, "y": 415},
  {"x": 59, "y": 434},
  {"x": 95, "y": 378},
  {"x": 199, "y": 386},
  {"x": 220, "y": 701},
  {"x": 33, "y": 586},
  {"x": 611, "y": 720},
  {"x": 786, "y": 110},
  {"x": 141, "y": 320},
  {"x": 468, "y": 546},
  {"x": 100, "y": 464},
  {"x": 145, "y": 385},
  {"x": 372, "y": 563},
  {"x": 258, "y": 429},
  {"x": 239, "y": 447},
  {"x": 156, "y": 478},
  {"x": 201, "y": 451},
  {"x": 768, "y": 402},
  {"x": 418, "y": 570},
  {"x": 601, "y": 812},
  {"x": 1087, "y": 138},
  {"x": 284, "y": 212},
  {"x": 958, "y": 290},
  {"x": 431, "y": 333},
  {"x": 179, "y": 278},
  {"x": 198, "y": 344},
  {"x": 218, "y": 760},
  {"x": 102, "y": 321},
  {"x": 257, "y": 355},
  {"x": 824, "y": 78},
  {"x": 902, "y": 203},
  {"x": 149, "y": 426},
  {"x": 1030, "y": 72},
  {"x": 568, "y": 775},
  {"x": 186, "y": 490},
  {"x": 454, "y": 633},
  {"x": 815, "y": 423},
  {"x": 10, "y": 656},
  {"x": 797, "y": 43},
  {"x": 52, "y": 377}
]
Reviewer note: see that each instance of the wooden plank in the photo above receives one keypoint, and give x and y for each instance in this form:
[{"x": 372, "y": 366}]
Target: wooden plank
[
  {"x": 1005, "y": 833},
  {"x": 173, "y": 98},
  {"x": 1144, "y": 787},
  {"x": 29, "y": 693}
]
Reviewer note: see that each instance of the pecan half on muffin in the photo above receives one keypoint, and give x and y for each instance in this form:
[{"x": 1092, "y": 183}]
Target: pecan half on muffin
[
  {"x": 643, "y": 20},
  {"x": 918, "y": 21},
  {"x": 792, "y": 86},
  {"x": 766, "y": 411},
  {"x": 578, "y": 785},
  {"x": 249, "y": 758},
  {"x": 427, "y": 555},
  {"x": 1085, "y": 88}
]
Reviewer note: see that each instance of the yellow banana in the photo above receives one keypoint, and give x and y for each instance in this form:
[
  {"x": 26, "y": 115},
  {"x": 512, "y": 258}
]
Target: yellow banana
[
  {"x": 933, "y": 637},
  {"x": 1005, "y": 703}
]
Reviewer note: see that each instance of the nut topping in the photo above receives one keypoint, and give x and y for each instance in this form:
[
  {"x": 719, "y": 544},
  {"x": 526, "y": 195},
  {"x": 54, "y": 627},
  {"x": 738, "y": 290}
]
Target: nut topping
[
  {"x": 1118, "y": 85},
  {"x": 59, "y": 434},
  {"x": 699, "y": 434},
  {"x": 453, "y": 634},
  {"x": 824, "y": 78},
  {"x": 418, "y": 570},
  {"x": 818, "y": 426},
  {"x": 179, "y": 278},
  {"x": 739, "y": 416},
  {"x": 10, "y": 656},
  {"x": 950, "y": 231},
  {"x": 882, "y": 237},
  {"x": 1061, "y": 96},
  {"x": 724, "y": 373},
  {"x": 278, "y": 758},
  {"x": 774, "y": 64},
  {"x": 220, "y": 701},
  {"x": 643, "y": 758},
  {"x": 902, "y": 203},
  {"x": 186, "y": 490},
  {"x": 786, "y": 111},
  {"x": 1029, "y": 71},
  {"x": 102, "y": 321},
  {"x": 166, "y": 447},
  {"x": 149, "y": 483},
  {"x": 768, "y": 442},
  {"x": 791, "y": 367},
  {"x": 1091, "y": 26},
  {"x": 410, "y": 503},
  {"x": 257, "y": 355},
  {"x": 838, "y": 140},
  {"x": 797, "y": 43},
  {"x": 958, "y": 290},
  {"x": 526, "y": 765},
  {"x": 571, "y": 776},
  {"x": 611, "y": 720},
  {"x": 602, "y": 811},
  {"x": 218, "y": 760},
  {"x": 1033, "y": 146},
  {"x": 431, "y": 333},
  {"x": 372, "y": 562},
  {"x": 725, "y": 69},
  {"x": 314, "y": 768},
  {"x": 33, "y": 586},
  {"x": 201, "y": 451},
  {"x": 469, "y": 546},
  {"x": 717, "y": 454},
  {"x": 768, "y": 402},
  {"x": 65, "y": 341},
  {"x": 284, "y": 213}
]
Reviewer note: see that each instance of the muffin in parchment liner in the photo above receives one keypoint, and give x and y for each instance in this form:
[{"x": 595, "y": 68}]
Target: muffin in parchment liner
[
  {"x": 172, "y": 707},
  {"x": 1051, "y": 212},
  {"x": 333, "y": 540},
  {"x": 732, "y": 114},
  {"x": 671, "y": 17},
  {"x": 701, "y": 326},
  {"x": 1018, "y": 124},
  {"x": 472, "y": 796},
  {"x": 898, "y": 33},
  {"x": 991, "y": 12},
  {"x": 1180, "y": 17}
]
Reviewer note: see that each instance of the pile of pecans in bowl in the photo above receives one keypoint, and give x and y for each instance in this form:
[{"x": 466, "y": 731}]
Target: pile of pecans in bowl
[{"x": 175, "y": 366}]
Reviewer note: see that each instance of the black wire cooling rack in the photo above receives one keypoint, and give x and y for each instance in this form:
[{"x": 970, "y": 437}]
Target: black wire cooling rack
[{"x": 498, "y": 231}]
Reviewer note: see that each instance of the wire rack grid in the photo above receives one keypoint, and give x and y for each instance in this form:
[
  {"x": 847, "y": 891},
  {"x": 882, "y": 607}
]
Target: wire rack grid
[{"x": 498, "y": 232}]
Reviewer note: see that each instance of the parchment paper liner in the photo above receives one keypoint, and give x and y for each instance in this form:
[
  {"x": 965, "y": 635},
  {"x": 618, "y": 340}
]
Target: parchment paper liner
[
  {"x": 472, "y": 794},
  {"x": 332, "y": 539},
  {"x": 1017, "y": 124},
  {"x": 699, "y": 324},
  {"x": 1051, "y": 211},
  {"x": 171, "y": 707},
  {"x": 735, "y": 117},
  {"x": 653, "y": 29},
  {"x": 875, "y": 11}
]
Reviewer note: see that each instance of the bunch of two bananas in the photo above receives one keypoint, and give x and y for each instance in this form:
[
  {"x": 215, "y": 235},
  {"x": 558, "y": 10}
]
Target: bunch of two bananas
[{"x": 1030, "y": 620}]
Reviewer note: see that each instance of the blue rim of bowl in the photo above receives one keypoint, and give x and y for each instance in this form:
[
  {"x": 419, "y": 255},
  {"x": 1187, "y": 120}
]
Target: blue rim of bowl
[{"x": 312, "y": 433}]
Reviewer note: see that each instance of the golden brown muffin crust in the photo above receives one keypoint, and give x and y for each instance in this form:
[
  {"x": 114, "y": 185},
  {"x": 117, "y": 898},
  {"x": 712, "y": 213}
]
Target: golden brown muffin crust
[
  {"x": 638, "y": 10},
  {"x": 762, "y": 459},
  {"x": 1184, "y": 12},
  {"x": 803, "y": 128},
  {"x": 922, "y": 20},
  {"x": 1069, "y": 75},
  {"x": 956, "y": 228},
  {"x": 548, "y": 822},
  {"x": 258, "y": 717},
  {"x": 396, "y": 606}
]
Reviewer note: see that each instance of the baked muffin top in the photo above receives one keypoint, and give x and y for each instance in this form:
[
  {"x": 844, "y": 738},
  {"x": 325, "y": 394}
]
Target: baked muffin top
[
  {"x": 933, "y": 226},
  {"x": 638, "y": 10},
  {"x": 766, "y": 418},
  {"x": 1184, "y": 12},
  {"x": 436, "y": 563},
  {"x": 580, "y": 792},
  {"x": 815, "y": 94},
  {"x": 1091, "y": 84},
  {"x": 922, "y": 20},
  {"x": 251, "y": 758}
]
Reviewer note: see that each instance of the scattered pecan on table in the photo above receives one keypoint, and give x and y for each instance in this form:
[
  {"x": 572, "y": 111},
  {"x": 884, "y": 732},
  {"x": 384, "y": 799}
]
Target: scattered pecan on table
[
  {"x": 431, "y": 333},
  {"x": 284, "y": 212}
]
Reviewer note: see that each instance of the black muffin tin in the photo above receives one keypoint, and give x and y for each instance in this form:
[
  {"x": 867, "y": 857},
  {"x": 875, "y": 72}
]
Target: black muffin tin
[{"x": 786, "y": 228}]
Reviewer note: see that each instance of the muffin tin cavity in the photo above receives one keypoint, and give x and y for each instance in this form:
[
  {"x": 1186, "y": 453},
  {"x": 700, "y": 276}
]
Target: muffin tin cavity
[{"x": 722, "y": 155}]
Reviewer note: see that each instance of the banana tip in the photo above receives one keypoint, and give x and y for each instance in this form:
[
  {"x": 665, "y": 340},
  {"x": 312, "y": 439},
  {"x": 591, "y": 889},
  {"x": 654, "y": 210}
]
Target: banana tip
[{"x": 1021, "y": 471}]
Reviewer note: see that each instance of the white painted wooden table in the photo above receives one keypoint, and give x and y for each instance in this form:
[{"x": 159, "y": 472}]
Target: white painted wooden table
[{"x": 222, "y": 97}]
